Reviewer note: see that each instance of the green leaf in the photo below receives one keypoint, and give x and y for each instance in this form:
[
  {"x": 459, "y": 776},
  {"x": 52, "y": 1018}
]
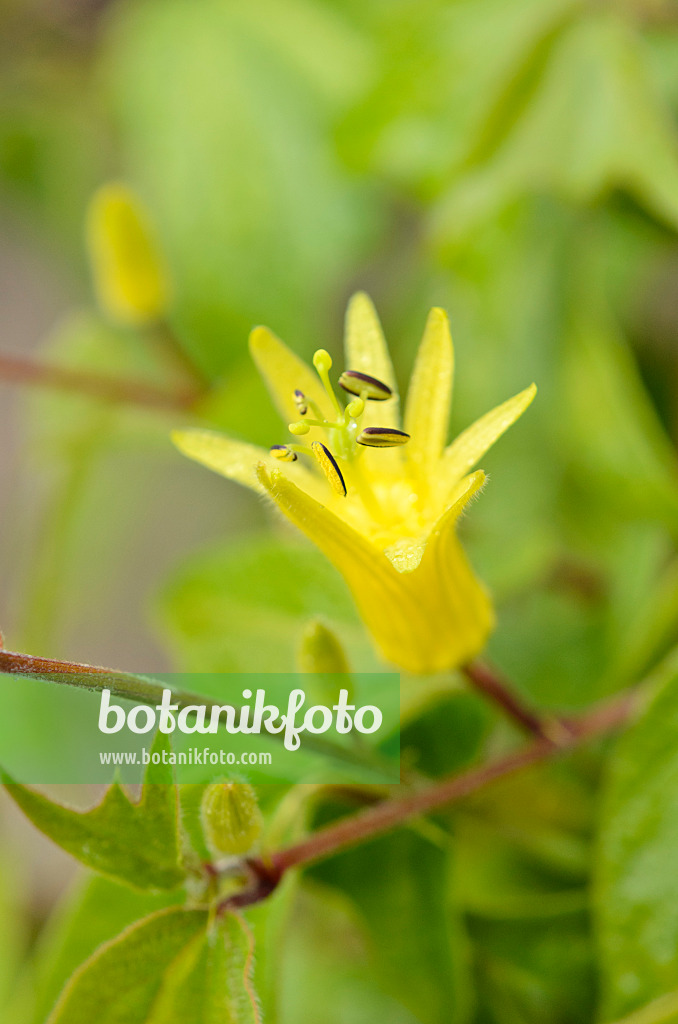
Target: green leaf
[
  {"x": 535, "y": 972},
  {"x": 136, "y": 843},
  {"x": 637, "y": 882},
  {"x": 240, "y": 607},
  {"x": 615, "y": 438},
  {"x": 210, "y": 981},
  {"x": 75, "y": 443},
  {"x": 594, "y": 123},
  {"x": 256, "y": 218},
  {"x": 94, "y": 912},
  {"x": 327, "y": 966},
  {"x": 403, "y": 887},
  {"x": 123, "y": 980},
  {"x": 13, "y": 928}
]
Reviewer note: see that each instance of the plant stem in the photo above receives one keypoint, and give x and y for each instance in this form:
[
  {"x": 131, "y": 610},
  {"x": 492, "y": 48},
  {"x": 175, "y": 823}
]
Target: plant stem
[
  {"x": 382, "y": 817},
  {"x": 487, "y": 681},
  {"x": 145, "y": 690},
  {"x": 19, "y": 370},
  {"x": 167, "y": 342}
]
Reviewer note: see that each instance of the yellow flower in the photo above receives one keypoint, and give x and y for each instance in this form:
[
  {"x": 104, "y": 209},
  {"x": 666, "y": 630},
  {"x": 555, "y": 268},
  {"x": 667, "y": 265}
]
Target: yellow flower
[
  {"x": 127, "y": 266},
  {"x": 381, "y": 501}
]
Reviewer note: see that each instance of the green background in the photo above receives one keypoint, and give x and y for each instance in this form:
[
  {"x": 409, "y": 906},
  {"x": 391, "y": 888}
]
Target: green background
[{"x": 515, "y": 161}]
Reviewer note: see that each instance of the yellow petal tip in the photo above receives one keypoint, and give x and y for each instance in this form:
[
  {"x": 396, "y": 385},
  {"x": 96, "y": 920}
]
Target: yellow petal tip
[
  {"x": 181, "y": 438},
  {"x": 259, "y": 336}
]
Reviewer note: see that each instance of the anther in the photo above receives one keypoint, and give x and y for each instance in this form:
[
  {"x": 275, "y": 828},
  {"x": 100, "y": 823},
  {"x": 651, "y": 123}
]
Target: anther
[
  {"x": 298, "y": 428},
  {"x": 382, "y": 437},
  {"x": 362, "y": 384},
  {"x": 329, "y": 466},
  {"x": 283, "y": 452},
  {"x": 300, "y": 402}
]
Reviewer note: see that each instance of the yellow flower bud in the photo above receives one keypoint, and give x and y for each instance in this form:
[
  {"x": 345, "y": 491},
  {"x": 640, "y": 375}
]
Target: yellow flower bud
[
  {"x": 127, "y": 266},
  {"x": 231, "y": 818}
]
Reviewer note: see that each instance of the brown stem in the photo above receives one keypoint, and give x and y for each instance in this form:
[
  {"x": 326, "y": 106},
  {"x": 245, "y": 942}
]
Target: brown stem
[
  {"x": 171, "y": 348},
  {"x": 487, "y": 681},
  {"x": 389, "y": 814},
  {"x": 145, "y": 690},
  {"x": 20, "y": 370}
]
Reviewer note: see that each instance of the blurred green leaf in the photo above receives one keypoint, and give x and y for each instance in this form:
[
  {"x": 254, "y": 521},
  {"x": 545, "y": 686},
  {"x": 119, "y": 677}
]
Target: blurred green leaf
[
  {"x": 210, "y": 980},
  {"x": 271, "y": 922},
  {"x": 241, "y": 606},
  {"x": 616, "y": 440},
  {"x": 522, "y": 847},
  {"x": 594, "y": 123},
  {"x": 123, "y": 980},
  {"x": 13, "y": 929},
  {"x": 643, "y": 603},
  {"x": 403, "y": 886},
  {"x": 70, "y": 461},
  {"x": 95, "y": 912},
  {"x": 637, "y": 884},
  {"x": 327, "y": 966},
  {"x": 137, "y": 843},
  {"x": 256, "y": 217},
  {"x": 534, "y": 972}
]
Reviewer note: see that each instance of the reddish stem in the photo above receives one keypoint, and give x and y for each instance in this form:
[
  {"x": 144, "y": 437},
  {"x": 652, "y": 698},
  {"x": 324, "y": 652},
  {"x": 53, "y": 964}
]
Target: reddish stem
[
  {"x": 20, "y": 370},
  {"x": 389, "y": 814},
  {"x": 487, "y": 681}
]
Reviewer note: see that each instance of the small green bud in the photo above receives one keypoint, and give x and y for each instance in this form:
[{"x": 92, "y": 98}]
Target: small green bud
[
  {"x": 231, "y": 818},
  {"x": 320, "y": 650},
  {"x": 321, "y": 654}
]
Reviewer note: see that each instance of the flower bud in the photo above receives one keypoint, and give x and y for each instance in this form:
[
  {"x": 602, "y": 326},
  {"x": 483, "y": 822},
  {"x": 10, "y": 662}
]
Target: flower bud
[
  {"x": 127, "y": 266},
  {"x": 321, "y": 654},
  {"x": 320, "y": 650},
  {"x": 231, "y": 818}
]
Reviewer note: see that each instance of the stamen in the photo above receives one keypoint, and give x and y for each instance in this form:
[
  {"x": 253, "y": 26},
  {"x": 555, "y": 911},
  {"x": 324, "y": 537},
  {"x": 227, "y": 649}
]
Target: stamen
[
  {"x": 283, "y": 452},
  {"x": 382, "y": 437},
  {"x": 363, "y": 385},
  {"x": 300, "y": 402},
  {"x": 299, "y": 428},
  {"x": 355, "y": 408},
  {"x": 329, "y": 466}
]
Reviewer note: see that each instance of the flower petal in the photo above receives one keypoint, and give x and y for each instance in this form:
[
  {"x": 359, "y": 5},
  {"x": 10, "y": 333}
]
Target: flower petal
[
  {"x": 462, "y": 616},
  {"x": 367, "y": 352},
  {"x": 428, "y": 399},
  {"x": 422, "y": 621},
  {"x": 393, "y": 619},
  {"x": 472, "y": 443},
  {"x": 238, "y": 460},
  {"x": 284, "y": 372},
  {"x": 406, "y": 554}
]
